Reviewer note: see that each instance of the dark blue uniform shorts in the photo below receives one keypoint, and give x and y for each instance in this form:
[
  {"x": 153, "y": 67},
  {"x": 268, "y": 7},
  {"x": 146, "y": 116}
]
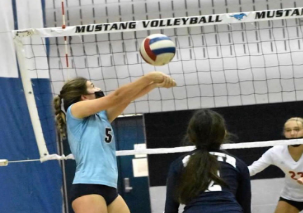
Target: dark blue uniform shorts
[
  {"x": 298, "y": 205},
  {"x": 108, "y": 193}
]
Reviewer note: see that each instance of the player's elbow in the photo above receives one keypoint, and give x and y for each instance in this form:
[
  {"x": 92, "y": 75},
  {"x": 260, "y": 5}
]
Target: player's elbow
[
  {"x": 120, "y": 97},
  {"x": 116, "y": 98},
  {"x": 251, "y": 171}
]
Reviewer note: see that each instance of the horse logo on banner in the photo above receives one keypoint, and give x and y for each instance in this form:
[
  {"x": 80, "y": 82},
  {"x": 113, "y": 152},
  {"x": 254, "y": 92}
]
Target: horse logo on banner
[{"x": 239, "y": 16}]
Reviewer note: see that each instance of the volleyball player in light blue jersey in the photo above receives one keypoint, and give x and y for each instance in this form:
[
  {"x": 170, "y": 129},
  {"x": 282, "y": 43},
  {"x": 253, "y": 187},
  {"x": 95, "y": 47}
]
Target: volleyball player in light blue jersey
[
  {"x": 92, "y": 141},
  {"x": 97, "y": 154}
]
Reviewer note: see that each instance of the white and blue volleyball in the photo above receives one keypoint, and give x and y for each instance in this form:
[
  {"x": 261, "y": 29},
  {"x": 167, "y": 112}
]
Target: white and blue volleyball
[{"x": 157, "y": 49}]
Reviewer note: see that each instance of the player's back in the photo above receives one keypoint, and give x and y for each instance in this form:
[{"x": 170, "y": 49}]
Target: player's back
[{"x": 235, "y": 198}]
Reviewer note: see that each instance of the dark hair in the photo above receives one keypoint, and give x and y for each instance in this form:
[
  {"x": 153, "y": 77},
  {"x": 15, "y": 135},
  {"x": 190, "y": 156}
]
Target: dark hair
[
  {"x": 206, "y": 129},
  {"x": 71, "y": 93}
]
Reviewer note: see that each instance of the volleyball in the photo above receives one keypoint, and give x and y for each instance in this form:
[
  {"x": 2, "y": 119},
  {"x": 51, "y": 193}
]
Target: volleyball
[{"x": 157, "y": 49}]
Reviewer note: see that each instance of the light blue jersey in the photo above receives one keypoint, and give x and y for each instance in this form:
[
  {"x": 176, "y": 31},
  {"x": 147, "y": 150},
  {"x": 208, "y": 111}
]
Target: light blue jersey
[{"x": 92, "y": 143}]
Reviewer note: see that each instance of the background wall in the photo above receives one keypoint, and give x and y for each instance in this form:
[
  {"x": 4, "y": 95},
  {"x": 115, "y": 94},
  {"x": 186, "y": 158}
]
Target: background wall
[{"x": 32, "y": 186}]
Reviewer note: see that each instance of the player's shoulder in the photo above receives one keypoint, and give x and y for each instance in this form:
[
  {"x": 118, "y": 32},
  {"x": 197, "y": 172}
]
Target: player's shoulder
[
  {"x": 103, "y": 115},
  {"x": 181, "y": 161},
  {"x": 239, "y": 163},
  {"x": 223, "y": 153},
  {"x": 228, "y": 160},
  {"x": 278, "y": 149},
  {"x": 70, "y": 118}
]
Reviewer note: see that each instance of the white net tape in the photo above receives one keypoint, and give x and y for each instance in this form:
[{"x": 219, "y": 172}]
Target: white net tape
[
  {"x": 166, "y": 23},
  {"x": 5, "y": 162}
]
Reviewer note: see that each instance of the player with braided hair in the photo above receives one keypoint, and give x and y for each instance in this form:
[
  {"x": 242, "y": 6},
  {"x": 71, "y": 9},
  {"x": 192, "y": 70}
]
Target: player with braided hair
[{"x": 90, "y": 135}]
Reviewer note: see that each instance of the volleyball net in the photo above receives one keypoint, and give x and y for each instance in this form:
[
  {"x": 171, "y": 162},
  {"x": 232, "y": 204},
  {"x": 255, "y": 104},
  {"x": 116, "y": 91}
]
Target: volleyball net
[{"x": 222, "y": 60}]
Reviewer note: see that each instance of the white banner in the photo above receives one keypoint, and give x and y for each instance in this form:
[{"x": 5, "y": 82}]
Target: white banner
[
  {"x": 30, "y": 16},
  {"x": 8, "y": 65},
  {"x": 191, "y": 21}
]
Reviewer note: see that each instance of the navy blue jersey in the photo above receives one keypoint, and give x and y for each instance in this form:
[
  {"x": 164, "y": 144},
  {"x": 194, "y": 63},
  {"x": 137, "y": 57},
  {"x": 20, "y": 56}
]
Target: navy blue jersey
[{"x": 236, "y": 198}]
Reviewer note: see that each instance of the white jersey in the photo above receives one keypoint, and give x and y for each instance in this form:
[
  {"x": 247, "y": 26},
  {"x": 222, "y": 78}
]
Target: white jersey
[{"x": 280, "y": 157}]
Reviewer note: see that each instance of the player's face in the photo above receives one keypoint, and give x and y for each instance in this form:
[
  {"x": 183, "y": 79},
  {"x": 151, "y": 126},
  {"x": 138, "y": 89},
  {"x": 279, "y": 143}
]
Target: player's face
[
  {"x": 91, "y": 89},
  {"x": 293, "y": 129}
]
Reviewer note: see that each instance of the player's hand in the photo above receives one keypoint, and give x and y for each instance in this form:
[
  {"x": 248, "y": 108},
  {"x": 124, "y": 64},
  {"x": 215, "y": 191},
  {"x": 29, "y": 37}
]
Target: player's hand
[
  {"x": 156, "y": 77},
  {"x": 168, "y": 82},
  {"x": 300, "y": 180}
]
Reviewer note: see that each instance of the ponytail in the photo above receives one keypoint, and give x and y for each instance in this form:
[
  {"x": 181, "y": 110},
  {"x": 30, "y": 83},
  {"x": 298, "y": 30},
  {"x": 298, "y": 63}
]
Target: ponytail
[
  {"x": 60, "y": 117},
  {"x": 70, "y": 93},
  {"x": 201, "y": 169},
  {"x": 206, "y": 129}
]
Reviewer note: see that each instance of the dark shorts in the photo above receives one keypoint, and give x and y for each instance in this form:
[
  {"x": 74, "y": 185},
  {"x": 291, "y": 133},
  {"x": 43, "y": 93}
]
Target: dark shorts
[
  {"x": 108, "y": 193},
  {"x": 298, "y": 205}
]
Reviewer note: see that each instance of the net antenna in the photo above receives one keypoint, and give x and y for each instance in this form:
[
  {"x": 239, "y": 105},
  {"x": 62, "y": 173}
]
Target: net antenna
[
  {"x": 65, "y": 38},
  {"x": 151, "y": 25}
]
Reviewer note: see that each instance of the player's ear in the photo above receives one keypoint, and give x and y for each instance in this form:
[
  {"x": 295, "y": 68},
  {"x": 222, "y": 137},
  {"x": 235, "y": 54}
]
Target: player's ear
[{"x": 83, "y": 97}]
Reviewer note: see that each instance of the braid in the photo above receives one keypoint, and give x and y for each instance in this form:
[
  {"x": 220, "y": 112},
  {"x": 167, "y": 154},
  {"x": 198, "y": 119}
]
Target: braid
[
  {"x": 70, "y": 93},
  {"x": 60, "y": 117}
]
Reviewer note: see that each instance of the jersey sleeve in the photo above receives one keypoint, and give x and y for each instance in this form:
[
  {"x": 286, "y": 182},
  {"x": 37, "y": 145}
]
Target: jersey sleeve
[
  {"x": 262, "y": 163},
  {"x": 74, "y": 124},
  {"x": 243, "y": 195},
  {"x": 171, "y": 203}
]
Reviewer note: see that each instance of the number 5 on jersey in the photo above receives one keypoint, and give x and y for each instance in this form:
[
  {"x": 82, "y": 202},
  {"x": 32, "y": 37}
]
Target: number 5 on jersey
[{"x": 108, "y": 135}]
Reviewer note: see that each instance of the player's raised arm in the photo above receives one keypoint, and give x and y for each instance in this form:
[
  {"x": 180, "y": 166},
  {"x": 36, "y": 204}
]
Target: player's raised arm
[
  {"x": 116, "y": 110},
  {"x": 90, "y": 105}
]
